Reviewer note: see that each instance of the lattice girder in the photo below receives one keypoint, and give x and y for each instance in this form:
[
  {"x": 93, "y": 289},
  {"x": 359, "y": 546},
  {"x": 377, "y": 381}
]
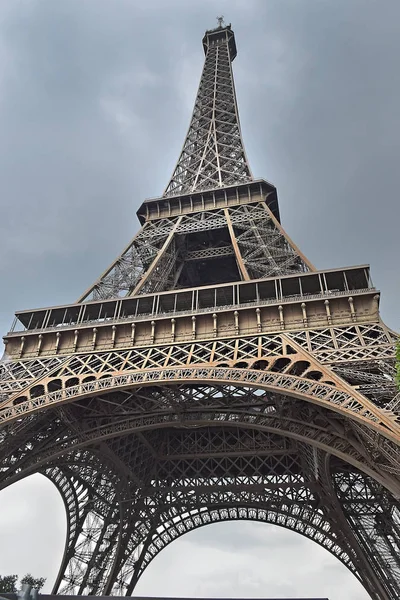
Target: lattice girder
[
  {"x": 264, "y": 248},
  {"x": 301, "y": 514},
  {"x": 210, "y": 373},
  {"x": 374, "y": 517},
  {"x": 213, "y": 153},
  {"x": 149, "y": 262},
  {"x": 140, "y": 411},
  {"x": 126, "y": 272},
  {"x": 95, "y": 523},
  {"x": 275, "y": 375},
  {"x": 92, "y": 527},
  {"x": 294, "y": 510},
  {"x": 381, "y": 450},
  {"x": 354, "y": 347},
  {"x": 299, "y": 419}
]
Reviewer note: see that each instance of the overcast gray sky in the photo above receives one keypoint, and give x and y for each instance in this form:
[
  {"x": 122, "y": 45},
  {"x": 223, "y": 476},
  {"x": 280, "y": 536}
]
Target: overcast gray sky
[{"x": 95, "y": 99}]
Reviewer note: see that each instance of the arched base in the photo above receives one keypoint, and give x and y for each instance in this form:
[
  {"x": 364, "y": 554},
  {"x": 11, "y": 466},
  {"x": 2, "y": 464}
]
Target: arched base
[{"x": 138, "y": 466}]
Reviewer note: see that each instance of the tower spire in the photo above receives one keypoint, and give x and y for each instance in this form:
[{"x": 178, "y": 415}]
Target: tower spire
[{"x": 213, "y": 153}]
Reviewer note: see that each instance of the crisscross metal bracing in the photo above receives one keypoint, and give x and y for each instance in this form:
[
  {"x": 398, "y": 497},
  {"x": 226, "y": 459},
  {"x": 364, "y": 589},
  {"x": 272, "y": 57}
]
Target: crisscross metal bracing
[
  {"x": 211, "y": 373},
  {"x": 213, "y": 153}
]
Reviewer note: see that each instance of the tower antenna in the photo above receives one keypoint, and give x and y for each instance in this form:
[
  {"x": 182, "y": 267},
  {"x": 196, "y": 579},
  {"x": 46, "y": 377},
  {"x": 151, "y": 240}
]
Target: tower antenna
[{"x": 220, "y": 21}]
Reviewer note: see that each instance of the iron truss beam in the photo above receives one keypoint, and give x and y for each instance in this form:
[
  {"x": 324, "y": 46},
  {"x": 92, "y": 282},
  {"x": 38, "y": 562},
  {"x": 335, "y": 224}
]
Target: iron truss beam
[
  {"x": 150, "y": 261},
  {"x": 213, "y": 153},
  {"x": 130, "y": 492}
]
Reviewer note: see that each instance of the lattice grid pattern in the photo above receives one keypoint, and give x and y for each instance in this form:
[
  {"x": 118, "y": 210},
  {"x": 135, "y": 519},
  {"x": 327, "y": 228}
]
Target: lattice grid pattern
[
  {"x": 146, "y": 441},
  {"x": 213, "y": 153}
]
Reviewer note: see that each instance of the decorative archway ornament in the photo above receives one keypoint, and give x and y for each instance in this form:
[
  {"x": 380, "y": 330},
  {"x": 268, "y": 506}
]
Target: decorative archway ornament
[{"x": 211, "y": 373}]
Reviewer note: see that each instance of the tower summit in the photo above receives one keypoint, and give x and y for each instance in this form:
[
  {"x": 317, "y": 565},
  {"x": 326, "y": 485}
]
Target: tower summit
[
  {"x": 211, "y": 373},
  {"x": 213, "y": 153}
]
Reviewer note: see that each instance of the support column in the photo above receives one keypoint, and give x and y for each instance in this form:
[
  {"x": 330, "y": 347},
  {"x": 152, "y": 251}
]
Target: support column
[
  {"x": 239, "y": 258},
  {"x": 373, "y": 516},
  {"x": 156, "y": 262},
  {"x": 95, "y": 527}
]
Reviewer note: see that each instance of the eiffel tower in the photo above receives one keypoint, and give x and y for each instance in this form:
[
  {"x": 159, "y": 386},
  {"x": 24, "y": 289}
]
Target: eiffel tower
[{"x": 211, "y": 373}]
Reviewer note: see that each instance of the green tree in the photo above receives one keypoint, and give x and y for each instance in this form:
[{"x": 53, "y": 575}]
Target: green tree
[
  {"x": 35, "y": 582},
  {"x": 9, "y": 583}
]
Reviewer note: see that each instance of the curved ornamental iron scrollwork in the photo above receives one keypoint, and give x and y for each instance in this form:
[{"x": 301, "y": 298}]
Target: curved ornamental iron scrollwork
[{"x": 299, "y": 518}]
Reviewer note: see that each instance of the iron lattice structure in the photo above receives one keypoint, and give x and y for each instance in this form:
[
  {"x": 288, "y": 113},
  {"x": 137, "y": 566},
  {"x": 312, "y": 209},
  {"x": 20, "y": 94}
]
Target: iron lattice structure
[{"x": 211, "y": 373}]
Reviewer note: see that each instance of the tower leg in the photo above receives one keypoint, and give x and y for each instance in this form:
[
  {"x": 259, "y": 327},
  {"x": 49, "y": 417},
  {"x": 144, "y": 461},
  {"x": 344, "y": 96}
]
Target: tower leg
[
  {"x": 95, "y": 525},
  {"x": 373, "y": 516}
]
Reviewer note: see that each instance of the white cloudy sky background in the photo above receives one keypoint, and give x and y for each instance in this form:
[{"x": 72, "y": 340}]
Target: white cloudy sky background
[{"x": 95, "y": 99}]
